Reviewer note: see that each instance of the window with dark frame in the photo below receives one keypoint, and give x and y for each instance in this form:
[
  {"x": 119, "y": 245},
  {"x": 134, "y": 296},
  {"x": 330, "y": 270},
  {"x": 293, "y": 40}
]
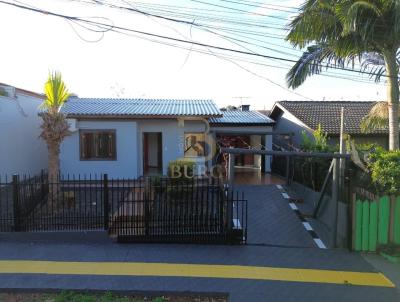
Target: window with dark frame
[
  {"x": 195, "y": 144},
  {"x": 97, "y": 145}
]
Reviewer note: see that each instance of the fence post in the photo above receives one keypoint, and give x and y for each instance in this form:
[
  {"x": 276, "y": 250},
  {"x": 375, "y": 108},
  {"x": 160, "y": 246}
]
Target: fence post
[
  {"x": 147, "y": 197},
  {"x": 351, "y": 213},
  {"x": 42, "y": 188},
  {"x": 335, "y": 199},
  {"x": 287, "y": 170},
  {"x": 231, "y": 169},
  {"x": 229, "y": 197},
  {"x": 15, "y": 181},
  {"x": 105, "y": 201}
]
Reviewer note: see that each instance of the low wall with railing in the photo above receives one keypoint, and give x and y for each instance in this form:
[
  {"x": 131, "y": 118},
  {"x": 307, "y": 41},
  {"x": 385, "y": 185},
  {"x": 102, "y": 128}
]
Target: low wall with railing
[{"x": 159, "y": 209}]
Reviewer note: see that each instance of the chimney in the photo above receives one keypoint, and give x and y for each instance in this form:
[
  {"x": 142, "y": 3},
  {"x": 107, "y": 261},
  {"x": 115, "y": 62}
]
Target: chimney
[{"x": 245, "y": 107}]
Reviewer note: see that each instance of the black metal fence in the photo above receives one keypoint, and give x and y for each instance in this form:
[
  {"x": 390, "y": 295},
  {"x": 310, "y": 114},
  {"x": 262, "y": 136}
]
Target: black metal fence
[
  {"x": 132, "y": 210},
  {"x": 308, "y": 171}
]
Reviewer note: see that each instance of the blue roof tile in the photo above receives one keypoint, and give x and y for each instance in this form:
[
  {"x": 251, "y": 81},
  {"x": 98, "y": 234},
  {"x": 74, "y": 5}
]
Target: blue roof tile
[
  {"x": 241, "y": 118},
  {"x": 139, "y": 107}
]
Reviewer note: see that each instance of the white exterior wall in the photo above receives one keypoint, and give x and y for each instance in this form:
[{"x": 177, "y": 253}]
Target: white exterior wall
[
  {"x": 126, "y": 163},
  {"x": 173, "y": 139},
  {"x": 129, "y": 146},
  {"x": 268, "y": 146},
  {"x": 255, "y": 143},
  {"x": 21, "y": 149}
]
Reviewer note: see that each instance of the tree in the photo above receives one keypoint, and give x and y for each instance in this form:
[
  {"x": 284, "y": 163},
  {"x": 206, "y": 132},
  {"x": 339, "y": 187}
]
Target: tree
[
  {"x": 337, "y": 33},
  {"x": 54, "y": 124}
]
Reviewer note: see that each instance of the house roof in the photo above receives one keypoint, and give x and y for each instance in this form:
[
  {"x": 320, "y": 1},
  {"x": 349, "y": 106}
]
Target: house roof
[
  {"x": 327, "y": 114},
  {"x": 238, "y": 117},
  {"x": 101, "y": 107},
  {"x": 24, "y": 91}
]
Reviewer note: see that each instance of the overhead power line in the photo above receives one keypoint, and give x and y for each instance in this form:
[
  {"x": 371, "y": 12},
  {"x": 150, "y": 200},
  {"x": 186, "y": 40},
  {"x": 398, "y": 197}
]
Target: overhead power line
[
  {"x": 240, "y": 10},
  {"x": 108, "y": 27}
]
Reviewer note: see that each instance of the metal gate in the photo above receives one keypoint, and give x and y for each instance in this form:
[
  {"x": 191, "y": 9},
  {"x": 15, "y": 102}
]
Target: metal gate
[{"x": 194, "y": 210}]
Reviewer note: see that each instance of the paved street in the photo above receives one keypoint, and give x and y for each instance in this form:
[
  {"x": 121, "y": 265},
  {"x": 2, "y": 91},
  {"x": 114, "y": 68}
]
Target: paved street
[{"x": 271, "y": 268}]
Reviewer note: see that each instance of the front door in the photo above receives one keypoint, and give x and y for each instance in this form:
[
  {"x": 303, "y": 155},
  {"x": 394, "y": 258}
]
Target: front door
[{"x": 152, "y": 153}]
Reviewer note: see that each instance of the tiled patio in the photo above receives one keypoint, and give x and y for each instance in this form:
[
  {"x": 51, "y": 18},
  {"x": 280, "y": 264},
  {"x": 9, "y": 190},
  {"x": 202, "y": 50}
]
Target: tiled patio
[{"x": 254, "y": 176}]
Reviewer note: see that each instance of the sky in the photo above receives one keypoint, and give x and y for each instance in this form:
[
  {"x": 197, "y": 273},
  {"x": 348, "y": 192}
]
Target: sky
[{"x": 112, "y": 64}]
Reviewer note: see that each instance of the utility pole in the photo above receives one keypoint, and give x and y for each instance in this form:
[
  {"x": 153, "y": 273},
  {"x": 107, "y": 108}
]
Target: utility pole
[
  {"x": 342, "y": 144},
  {"x": 342, "y": 150}
]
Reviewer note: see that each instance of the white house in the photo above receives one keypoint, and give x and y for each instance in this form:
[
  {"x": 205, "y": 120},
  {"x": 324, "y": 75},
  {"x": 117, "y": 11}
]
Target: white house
[
  {"x": 136, "y": 137},
  {"x": 21, "y": 149}
]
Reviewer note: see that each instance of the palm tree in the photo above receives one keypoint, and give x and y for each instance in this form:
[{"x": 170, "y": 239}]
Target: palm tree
[
  {"x": 54, "y": 126},
  {"x": 337, "y": 33},
  {"x": 378, "y": 117}
]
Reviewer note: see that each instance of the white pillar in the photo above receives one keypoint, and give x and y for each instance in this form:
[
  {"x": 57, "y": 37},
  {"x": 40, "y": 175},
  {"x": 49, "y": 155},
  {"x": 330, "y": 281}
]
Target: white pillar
[
  {"x": 268, "y": 158},
  {"x": 211, "y": 148}
]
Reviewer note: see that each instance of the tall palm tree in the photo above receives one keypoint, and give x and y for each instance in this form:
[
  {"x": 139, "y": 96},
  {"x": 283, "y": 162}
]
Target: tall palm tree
[
  {"x": 54, "y": 126},
  {"x": 338, "y": 33}
]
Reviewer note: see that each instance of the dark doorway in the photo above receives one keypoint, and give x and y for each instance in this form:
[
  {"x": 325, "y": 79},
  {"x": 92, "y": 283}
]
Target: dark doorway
[{"x": 152, "y": 153}]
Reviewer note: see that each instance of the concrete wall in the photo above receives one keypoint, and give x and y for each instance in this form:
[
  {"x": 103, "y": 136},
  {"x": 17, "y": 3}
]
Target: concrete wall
[
  {"x": 21, "y": 149},
  {"x": 324, "y": 224}
]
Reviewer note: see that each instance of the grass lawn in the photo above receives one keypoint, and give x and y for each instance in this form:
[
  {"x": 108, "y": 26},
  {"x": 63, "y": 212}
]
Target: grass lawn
[{"x": 100, "y": 297}]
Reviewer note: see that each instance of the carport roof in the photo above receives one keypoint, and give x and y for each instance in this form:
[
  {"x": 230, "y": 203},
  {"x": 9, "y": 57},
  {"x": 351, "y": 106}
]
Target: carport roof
[
  {"x": 242, "y": 118},
  {"x": 103, "y": 107}
]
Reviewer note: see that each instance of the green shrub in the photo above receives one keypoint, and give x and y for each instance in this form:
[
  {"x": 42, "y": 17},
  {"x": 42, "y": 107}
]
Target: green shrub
[
  {"x": 385, "y": 170},
  {"x": 311, "y": 171},
  {"x": 317, "y": 143},
  {"x": 180, "y": 173},
  {"x": 181, "y": 169}
]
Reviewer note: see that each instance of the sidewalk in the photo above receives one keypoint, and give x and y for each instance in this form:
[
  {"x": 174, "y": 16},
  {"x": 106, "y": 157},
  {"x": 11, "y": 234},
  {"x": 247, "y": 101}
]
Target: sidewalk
[{"x": 391, "y": 270}]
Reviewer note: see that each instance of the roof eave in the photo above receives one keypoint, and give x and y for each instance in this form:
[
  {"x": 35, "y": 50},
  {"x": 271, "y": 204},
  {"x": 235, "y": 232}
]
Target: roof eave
[
  {"x": 136, "y": 116},
  {"x": 242, "y": 124}
]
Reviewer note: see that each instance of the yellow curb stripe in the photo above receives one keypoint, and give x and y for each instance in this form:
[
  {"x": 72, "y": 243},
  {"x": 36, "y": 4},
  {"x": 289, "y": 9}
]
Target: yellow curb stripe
[{"x": 194, "y": 270}]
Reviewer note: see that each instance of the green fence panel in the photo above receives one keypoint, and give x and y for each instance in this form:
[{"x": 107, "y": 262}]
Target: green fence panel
[
  {"x": 358, "y": 226},
  {"x": 365, "y": 226},
  {"x": 373, "y": 226},
  {"x": 384, "y": 217},
  {"x": 396, "y": 231}
]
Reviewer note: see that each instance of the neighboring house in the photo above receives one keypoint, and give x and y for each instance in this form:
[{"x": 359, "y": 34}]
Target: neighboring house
[
  {"x": 298, "y": 116},
  {"x": 135, "y": 137},
  {"x": 21, "y": 149}
]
